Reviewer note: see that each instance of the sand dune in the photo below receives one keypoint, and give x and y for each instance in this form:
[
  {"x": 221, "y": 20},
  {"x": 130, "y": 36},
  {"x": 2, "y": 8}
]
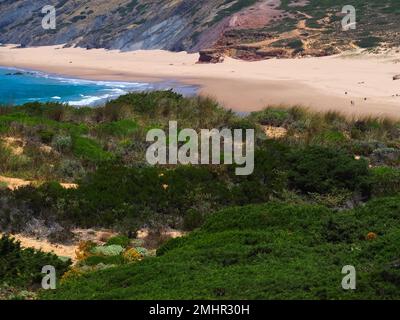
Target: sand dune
[{"x": 354, "y": 83}]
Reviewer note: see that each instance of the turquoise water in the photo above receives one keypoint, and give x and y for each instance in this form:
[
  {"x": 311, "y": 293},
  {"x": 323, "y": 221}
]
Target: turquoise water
[{"x": 21, "y": 86}]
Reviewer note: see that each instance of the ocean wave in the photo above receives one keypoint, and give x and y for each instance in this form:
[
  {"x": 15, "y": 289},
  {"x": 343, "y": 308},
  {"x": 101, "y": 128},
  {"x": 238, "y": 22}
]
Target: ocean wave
[
  {"x": 109, "y": 84},
  {"x": 89, "y": 100},
  {"x": 81, "y": 92},
  {"x": 76, "y": 81}
]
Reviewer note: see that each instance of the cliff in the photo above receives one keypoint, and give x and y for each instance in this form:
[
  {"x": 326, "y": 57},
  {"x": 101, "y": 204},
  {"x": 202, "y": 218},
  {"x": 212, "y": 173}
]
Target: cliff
[{"x": 245, "y": 29}]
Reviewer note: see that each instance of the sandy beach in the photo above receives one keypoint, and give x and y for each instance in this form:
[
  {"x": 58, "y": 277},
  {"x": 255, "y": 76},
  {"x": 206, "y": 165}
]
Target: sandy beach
[{"x": 353, "y": 83}]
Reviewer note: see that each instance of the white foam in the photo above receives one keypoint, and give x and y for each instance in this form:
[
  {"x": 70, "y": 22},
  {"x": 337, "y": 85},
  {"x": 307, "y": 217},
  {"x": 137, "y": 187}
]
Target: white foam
[{"x": 89, "y": 100}]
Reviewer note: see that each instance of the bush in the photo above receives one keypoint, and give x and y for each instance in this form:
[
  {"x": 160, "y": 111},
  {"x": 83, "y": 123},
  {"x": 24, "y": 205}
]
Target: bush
[
  {"x": 120, "y": 128},
  {"x": 389, "y": 156},
  {"x": 324, "y": 170},
  {"x": 46, "y": 136},
  {"x": 192, "y": 220},
  {"x": 88, "y": 149},
  {"x": 107, "y": 260},
  {"x": 369, "y": 42},
  {"x": 111, "y": 250},
  {"x": 122, "y": 241},
  {"x": 22, "y": 267},
  {"x": 272, "y": 116},
  {"x": 365, "y": 148},
  {"x": 71, "y": 169},
  {"x": 62, "y": 144},
  {"x": 384, "y": 181},
  {"x": 296, "y": 44}
]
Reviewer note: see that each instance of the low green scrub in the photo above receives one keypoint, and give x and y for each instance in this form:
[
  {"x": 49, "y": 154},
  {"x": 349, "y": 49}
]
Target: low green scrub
[
  {"x": 384, "y": 181},
  {"x": 324, "y": 170},
  {"x": 22, "y": 268},
  {"x": 88, "y": 149},
  {"x": 291, "y": 242},
  {"x": 272, "y": 251},
  {"x": 121, "y": 128},
  {"x": 122, "y": 241}
]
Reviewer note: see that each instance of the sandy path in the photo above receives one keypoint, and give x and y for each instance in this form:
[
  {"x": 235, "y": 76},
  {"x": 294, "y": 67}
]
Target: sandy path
[
  {"x": 320, "y": 83},
  {"x": 15, "y": 183},
  {"x": 45, "y": 246},
  {"x": 97, "y": 236}
]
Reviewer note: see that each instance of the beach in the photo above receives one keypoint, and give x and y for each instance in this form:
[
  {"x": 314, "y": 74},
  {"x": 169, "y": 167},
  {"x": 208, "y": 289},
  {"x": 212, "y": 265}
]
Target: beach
[{"x": 356, "y": 84}]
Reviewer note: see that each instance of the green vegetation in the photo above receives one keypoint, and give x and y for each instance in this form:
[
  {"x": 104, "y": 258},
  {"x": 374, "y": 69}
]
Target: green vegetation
[
  {"x": 272, "y": 251},
  {"x": 369, "y": 42},
  {"x": 324, "y": 194},
  {"x": 21, "y": 268},
  {"x": 122, "y": 241},
  {"x": 232, "y": 7},
  {"x": 322, "y": 28}
]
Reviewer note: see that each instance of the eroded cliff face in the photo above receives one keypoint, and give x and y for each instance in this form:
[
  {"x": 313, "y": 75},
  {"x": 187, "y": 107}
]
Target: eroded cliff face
[
  {"x": 245, "y": 29},
  {"x": 115, "y": 24}
]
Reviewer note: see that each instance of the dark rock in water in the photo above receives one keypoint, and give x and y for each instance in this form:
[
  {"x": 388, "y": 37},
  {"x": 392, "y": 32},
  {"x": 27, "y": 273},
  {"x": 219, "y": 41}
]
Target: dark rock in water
[
  {"x": 15, "y": 74},
  {"x": 396, "y": 77},
  {"x": 211, "y": 56}
]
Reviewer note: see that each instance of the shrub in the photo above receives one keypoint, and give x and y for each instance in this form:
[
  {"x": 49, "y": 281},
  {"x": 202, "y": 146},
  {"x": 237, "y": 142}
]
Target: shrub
[
  {"x": 22, "y": 267},
  {"x": 119, "y": 128},
  {"x": 369, "y": 42},
  {"x": 107, "y": 260},
  {"x": 62, "y": 143},
  {"x": 296, "y": 44},
  {"x": 46, "y": 136},
  {"x": 365, "y": 148},
  {"x": 324, "y": 170},
  {"x": 71, "y": 169},
  {"x": 389, "y": 156},
  {"x": 384, "y": 181},
  {"x": 192, "y": 220},
  {"x": 88, "y": 149},
  {"x": 330, "y": 137},
  {"x": 122, "y": 241},
  {"x": 272, "y": 116},
  {"x": 84, "y": 250},
  {"x": 112, "y": 250},
  {"x": 131, "y": 255}
]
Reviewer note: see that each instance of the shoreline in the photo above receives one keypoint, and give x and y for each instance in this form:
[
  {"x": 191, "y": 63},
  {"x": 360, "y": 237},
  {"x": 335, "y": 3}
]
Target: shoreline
[
  {"x": 95, "y": 98},
  {"x": 354, "y": 84}
]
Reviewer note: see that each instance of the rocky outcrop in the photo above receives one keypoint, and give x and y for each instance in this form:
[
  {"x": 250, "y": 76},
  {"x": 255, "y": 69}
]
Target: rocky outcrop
[
  {"x": 272, "y": 53},
  {"x": 211, "y": 56}
]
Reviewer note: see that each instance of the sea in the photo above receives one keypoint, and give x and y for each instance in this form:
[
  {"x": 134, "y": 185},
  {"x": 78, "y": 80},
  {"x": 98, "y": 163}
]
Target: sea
[{"x": 19, "y": 86}]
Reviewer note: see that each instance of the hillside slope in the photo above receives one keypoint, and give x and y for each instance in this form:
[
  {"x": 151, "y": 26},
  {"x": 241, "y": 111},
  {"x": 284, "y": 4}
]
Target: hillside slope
[
  {"x": 115, "y": 24},
  {"x": 246, "y": 29},
  {"x": 272, "y": 251}
]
